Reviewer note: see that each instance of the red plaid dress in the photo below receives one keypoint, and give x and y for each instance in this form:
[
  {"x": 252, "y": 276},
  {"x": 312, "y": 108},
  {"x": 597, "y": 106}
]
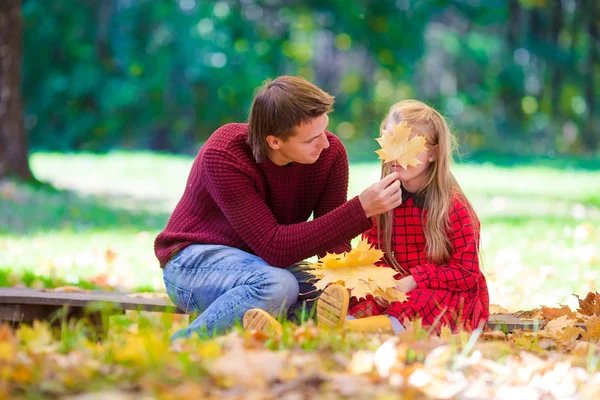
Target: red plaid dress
[{"x": 454, "y": 294}]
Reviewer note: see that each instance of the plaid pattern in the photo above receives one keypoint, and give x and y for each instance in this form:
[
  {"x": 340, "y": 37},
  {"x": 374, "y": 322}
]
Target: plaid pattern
[{"x": 454, "y": 294}]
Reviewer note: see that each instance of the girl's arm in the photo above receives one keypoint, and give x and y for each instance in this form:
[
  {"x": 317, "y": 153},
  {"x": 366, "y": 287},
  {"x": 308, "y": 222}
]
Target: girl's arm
[{"x": 462, "y": 271}]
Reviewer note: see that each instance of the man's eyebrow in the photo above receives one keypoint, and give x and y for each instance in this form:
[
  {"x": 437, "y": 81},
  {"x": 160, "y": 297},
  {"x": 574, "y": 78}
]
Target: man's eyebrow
[{"x": 314, "y": 137}]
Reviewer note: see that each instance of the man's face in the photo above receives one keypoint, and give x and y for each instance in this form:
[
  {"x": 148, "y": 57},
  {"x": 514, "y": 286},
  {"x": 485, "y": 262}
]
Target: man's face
[{"x": 305, "y": 146}]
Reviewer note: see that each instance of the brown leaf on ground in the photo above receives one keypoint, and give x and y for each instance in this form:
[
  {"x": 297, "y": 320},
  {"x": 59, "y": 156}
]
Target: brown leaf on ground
[
  {"x": 494, "y": 335},
  {"x": 550, "y": 313},
  {"x": 498, "y": 309},
  {"x": 590, "y": 305},
  {"x": 592, "y": 326},
  {"x": 536, "y": 313}
]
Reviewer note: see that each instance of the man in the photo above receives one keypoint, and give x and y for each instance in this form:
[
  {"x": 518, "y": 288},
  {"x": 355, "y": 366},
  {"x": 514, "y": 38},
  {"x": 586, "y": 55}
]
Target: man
[{"x": 243, "y": 217}]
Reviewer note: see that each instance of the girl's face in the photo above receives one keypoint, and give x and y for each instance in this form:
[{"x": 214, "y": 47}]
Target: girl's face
[{"x": 414, "y": 178}]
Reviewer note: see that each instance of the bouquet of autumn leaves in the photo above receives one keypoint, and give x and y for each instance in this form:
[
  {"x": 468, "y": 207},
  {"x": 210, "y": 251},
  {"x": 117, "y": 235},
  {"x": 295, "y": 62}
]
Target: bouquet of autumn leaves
[{"x": 356, "y": 270}]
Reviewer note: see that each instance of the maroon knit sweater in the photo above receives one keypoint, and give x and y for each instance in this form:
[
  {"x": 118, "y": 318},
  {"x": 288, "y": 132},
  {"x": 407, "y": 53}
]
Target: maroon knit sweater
[{"x": 262, "y": 208}]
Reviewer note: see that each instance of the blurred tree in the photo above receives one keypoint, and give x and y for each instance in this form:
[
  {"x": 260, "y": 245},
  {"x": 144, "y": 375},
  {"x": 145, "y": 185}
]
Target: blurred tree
[
  {"x": 14, "y": 148},
  {"x": 591, "y": 135},
  {"x": 518, "y": 76}
]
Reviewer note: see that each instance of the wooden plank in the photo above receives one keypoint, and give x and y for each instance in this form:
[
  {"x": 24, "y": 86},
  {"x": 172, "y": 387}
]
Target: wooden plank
[
  {"x": 25, "y": 304},
  {"x": 510, "y": 323},
  {"x": 84, "y": 299},
  {"x": 26, "y": 312}
]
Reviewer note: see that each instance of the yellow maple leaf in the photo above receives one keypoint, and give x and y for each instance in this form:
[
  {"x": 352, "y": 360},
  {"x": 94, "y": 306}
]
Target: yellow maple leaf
[
  {"x": 396, "y": 146},
  {"x": 37, "y": 338},
  {"x": 558, "y": 325},
  {"x": 355, "y": 270}
]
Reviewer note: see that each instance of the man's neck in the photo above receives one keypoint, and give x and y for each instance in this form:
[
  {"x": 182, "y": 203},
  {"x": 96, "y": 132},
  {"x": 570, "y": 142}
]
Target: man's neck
[{"x": 278, "y": 159}]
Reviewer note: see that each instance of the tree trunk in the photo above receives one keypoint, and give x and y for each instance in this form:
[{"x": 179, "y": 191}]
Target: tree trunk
[
  {"x": 14, "y": 147},
  {"x": 590, "y": 132},
  {"x": 514, "y": 25},
  {"x": 556, "y": 66}
]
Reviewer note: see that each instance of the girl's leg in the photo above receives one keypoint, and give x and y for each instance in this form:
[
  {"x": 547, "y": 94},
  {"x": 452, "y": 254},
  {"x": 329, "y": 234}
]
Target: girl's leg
[
  {"x": 375, "y": 324},
  {"x": 223, "y": 283},
  {"x": 332, "y": 309}
]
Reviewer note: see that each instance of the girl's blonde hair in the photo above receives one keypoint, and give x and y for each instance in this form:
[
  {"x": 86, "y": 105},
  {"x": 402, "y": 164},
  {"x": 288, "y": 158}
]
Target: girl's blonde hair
[{"x": 440, "y": 188}]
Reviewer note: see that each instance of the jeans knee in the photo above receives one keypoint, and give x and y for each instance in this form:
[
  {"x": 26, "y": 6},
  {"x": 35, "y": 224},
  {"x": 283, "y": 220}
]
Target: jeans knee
[{"x": 281, "y": 288}]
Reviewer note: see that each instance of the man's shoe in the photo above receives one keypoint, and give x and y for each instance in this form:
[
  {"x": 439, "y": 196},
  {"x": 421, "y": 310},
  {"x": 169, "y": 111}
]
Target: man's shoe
[
  {"x": 260, "y": 320},
  {"x": 332, "y": 307}
]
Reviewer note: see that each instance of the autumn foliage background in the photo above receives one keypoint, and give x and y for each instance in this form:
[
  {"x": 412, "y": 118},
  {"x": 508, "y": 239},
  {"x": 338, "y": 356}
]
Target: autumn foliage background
[{"x": 118, "y": 96}]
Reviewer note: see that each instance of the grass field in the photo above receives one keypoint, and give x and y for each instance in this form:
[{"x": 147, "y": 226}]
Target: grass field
[{"x": 540, "y": 224}]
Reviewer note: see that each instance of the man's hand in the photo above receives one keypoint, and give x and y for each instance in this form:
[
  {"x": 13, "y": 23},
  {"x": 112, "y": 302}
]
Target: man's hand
[
  {"x": 406, "y": 284},
  {"x": 382, "y": 196}
]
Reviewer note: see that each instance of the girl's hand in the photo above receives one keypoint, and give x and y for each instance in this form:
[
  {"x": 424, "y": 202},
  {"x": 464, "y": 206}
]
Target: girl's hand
[
  {"x": 406, "y": 284},
  {"x": 381, "y": 302}
]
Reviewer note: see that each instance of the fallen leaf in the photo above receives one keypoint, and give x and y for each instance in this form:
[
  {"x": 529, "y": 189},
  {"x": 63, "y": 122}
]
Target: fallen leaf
[
  {"x": 550, "y": 313},
  {"x": 556, "y": 326},
  {"x": 37, "y": 338},
  {"x": 497, "y": 309},
  {"x": 590, "y": 305},
  {"x": 362, "y": 362},
  {"x": 250, "y": 368},
  {"x": 570, "y": 334},
  {"x": 592, "y": 326}
]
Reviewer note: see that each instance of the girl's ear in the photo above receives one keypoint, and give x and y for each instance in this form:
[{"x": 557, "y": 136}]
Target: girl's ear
[
  {"x": 273, "y": 142},
  {"x": 434, "y": 151}
]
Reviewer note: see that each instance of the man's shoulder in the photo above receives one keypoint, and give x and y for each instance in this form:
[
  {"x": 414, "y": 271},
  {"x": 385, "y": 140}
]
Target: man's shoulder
[
  {"x": 228, "y": 145},
  {"x": 336, "y": 148},
  {"x": 228, "y": 136}
]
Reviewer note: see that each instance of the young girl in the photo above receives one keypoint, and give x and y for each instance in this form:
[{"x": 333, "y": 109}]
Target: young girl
[{"x": 431, "y": 239}]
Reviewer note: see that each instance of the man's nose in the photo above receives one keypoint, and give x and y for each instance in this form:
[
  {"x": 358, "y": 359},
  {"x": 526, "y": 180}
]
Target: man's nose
[{"x": 326, "y": 142}]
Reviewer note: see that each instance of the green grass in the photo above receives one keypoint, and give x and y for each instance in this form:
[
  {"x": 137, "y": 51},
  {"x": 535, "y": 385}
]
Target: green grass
[{"x": 540, "y": 224}]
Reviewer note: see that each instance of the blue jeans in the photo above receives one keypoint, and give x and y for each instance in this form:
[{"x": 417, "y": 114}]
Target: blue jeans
[{"x": 222, "y": 283}]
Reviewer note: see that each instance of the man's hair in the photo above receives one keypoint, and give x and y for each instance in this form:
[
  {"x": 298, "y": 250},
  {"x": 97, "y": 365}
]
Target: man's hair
[{"x": 281, "y": 105}]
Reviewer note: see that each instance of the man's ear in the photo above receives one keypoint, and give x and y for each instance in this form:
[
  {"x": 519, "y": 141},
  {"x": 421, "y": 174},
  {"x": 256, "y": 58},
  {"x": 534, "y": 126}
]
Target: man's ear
[{"x": 274, "y": 142}]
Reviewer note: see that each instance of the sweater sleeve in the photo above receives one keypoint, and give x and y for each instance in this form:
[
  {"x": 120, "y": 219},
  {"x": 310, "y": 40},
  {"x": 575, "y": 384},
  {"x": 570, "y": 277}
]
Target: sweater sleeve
[
  {"x": 337, "y": 183},
  {"x": 248, "y": 213},
  {"x": 462, "y": 271}
]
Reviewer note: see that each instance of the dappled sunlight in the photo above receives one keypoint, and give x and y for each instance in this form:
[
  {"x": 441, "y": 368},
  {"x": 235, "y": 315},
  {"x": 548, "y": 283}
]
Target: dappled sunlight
[{"x": 539, "y": 244}]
